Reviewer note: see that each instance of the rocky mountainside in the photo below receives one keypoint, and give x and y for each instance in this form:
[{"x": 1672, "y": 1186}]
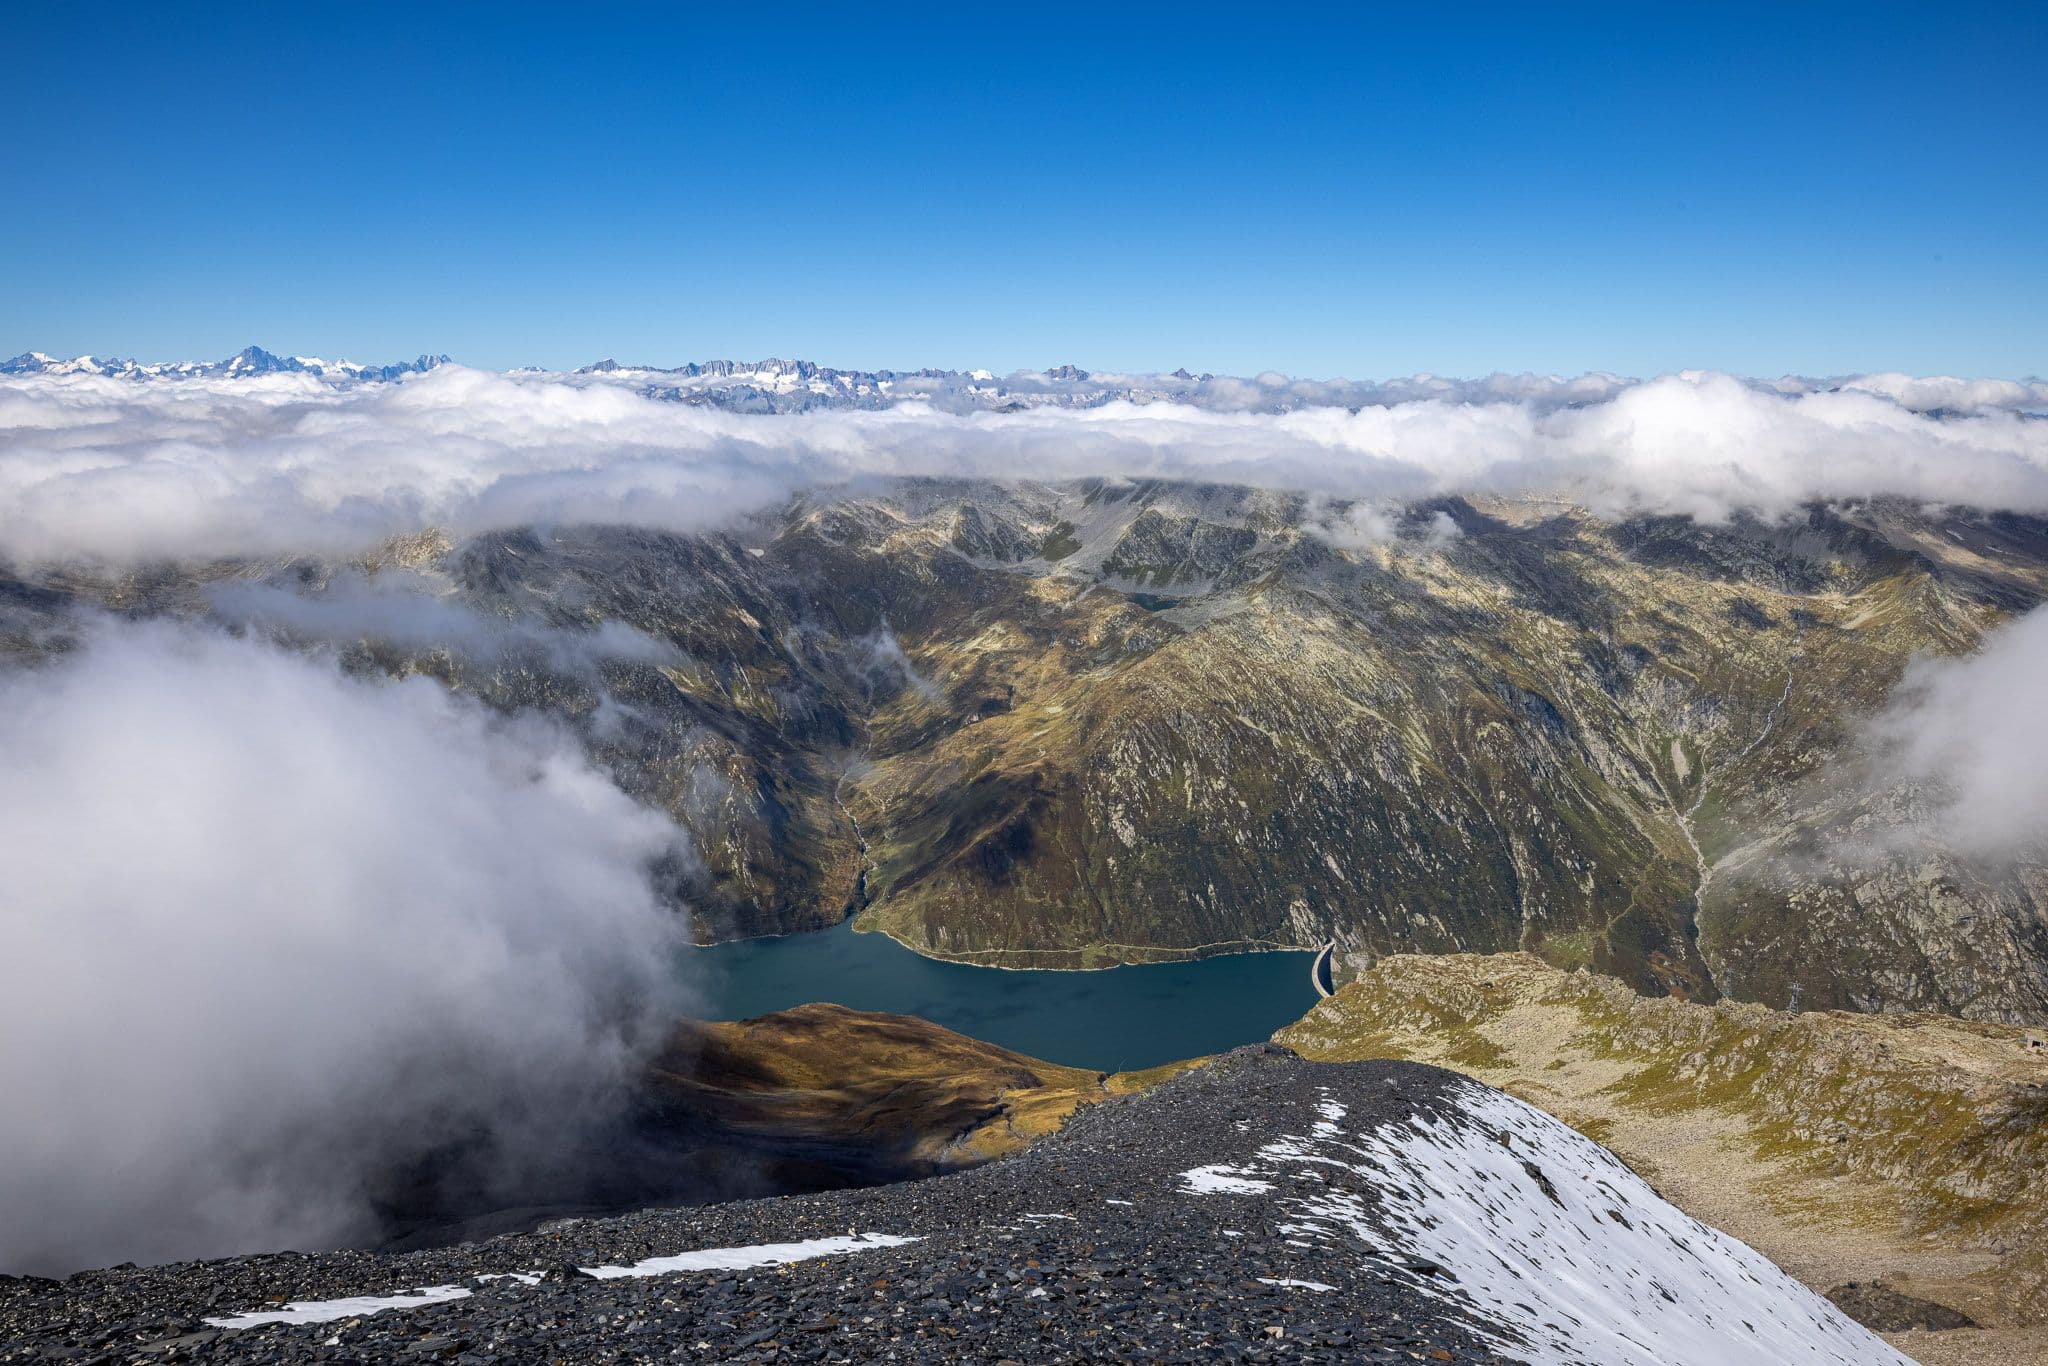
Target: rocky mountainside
[
  {"x": 1905, "y": 1150},
  {"x": 1259, "y": 1208},
  {"x": 1066, "y": 725}
]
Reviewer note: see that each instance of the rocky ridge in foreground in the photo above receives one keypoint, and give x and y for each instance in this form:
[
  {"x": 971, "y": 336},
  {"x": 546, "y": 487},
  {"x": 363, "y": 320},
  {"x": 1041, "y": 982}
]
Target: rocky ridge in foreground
[{"x": 1260, "y": 1208}]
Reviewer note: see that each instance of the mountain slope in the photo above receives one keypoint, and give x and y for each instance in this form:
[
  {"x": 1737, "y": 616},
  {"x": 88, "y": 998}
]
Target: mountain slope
[
  {"x": 1066, "y": 725},
  {"x": 1206, "y": 725}
]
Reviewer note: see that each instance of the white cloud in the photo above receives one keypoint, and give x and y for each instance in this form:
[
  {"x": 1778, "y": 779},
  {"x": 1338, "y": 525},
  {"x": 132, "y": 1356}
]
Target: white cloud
[
  {"x": 1971, "y": 733},
  {"x": 1935, "y": 393},
  {"x": 273, "y": 933},
  {"x": 1352, "y": 525},
  {"x": 124, "y": 468},
  {"x": 880, "y": 658},
  {"x": 402, "y": 608}
]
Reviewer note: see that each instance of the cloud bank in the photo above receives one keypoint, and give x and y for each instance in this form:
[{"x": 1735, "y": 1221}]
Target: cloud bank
[
  {"x": 126, "y": 469},
  {"x": 1970, "y": 734},
  {"x": 277, "y": 937}
]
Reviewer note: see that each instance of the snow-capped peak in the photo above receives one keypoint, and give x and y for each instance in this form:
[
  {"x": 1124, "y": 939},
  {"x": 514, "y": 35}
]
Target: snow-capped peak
[{"x": 250, "y": 360}]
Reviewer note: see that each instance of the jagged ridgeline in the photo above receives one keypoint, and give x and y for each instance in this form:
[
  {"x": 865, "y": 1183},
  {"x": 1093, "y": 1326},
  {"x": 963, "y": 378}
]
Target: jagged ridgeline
[{"x": 1076, "y": 724}]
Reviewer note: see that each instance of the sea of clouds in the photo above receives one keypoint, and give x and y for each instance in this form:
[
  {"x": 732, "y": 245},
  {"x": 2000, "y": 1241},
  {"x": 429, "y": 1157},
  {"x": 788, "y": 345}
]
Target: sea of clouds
[{"x": 123, "y": 469}]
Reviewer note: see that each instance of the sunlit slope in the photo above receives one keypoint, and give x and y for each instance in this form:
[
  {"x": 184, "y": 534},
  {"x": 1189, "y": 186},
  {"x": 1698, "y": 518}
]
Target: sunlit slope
[{"x": 906, "y": 1094}]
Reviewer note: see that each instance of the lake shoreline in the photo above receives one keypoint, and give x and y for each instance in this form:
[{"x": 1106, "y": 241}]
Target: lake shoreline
[
  {"x": 1227, "y": 948},
  {"x": 1079, "y": 1017}
]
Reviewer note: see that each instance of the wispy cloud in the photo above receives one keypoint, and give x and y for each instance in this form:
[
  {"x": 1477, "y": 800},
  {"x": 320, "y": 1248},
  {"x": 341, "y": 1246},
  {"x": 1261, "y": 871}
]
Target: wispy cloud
[
  {"x": 412, "y": 611},
  {"x": 1969, "y": 735}
]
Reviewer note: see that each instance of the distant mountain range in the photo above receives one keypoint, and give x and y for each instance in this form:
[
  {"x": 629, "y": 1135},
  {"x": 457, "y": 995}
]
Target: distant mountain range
[
  {"x": 250, "y": 360},
  {"x": 776, "y": 385}
]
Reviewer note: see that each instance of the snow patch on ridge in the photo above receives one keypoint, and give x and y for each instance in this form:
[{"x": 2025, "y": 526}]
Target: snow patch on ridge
[
  {"x": 1224, "y": 1179},
  {"x": 1550, "y": 1238},
  {"x": 705, "y": 1259},
  {"x": 742, "y": 1258},
  {"x": 355, "y": 1306},
  {"x": 1286, "y": 1283},
  {"x": 1552, "y": 1234}
]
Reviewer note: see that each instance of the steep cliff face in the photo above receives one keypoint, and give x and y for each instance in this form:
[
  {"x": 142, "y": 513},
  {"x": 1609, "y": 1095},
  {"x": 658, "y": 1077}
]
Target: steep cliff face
[{"x": 1066, "y": 725}]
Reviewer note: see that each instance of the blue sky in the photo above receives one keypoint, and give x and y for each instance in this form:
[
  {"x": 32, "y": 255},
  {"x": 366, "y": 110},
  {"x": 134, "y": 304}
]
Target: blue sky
[{"x": 1381, "y": 191}]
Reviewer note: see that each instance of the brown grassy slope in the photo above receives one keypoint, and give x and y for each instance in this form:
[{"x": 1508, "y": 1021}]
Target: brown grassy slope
[
  {"x": 902, "y": 1088},
  {"x": 1909, "y": 1148}
]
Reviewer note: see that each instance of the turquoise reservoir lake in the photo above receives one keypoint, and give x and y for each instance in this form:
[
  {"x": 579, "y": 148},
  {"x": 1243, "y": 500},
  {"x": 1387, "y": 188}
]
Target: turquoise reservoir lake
[{"x": 1113, "y": 1020}]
